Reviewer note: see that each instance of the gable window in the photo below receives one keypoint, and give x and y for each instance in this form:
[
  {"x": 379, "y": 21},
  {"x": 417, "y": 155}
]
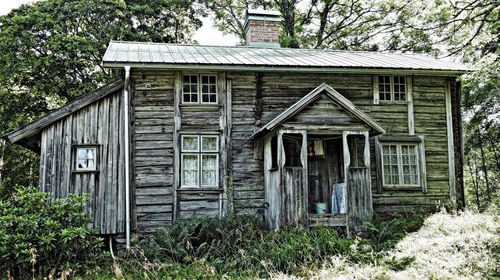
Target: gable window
[
  {"x": 199, "y": 88},
  {"x": 86, "y": 158},
  {"x": 199, "y": 161},
  {"x": 392, "y": 88}
]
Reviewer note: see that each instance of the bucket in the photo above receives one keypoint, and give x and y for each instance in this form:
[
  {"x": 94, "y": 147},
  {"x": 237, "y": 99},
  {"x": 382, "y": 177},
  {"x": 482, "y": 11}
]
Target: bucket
[{"x": 320, "y": 208}]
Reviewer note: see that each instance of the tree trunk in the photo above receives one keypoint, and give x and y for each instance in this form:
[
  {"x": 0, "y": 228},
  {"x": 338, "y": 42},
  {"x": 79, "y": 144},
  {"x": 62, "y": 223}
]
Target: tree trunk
[
  {"x": 2, "y": 151},
  {"x": 474, "y": 183},
  {"x": 485, "y": 169}
]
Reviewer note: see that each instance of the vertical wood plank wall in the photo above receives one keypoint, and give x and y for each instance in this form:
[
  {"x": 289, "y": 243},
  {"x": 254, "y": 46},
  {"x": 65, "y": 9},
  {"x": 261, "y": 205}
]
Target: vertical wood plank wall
[{"x": 99, "y": 123}]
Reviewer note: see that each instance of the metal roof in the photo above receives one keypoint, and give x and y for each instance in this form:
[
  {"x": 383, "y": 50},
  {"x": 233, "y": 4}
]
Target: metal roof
[{"x": 243, "y": 57}]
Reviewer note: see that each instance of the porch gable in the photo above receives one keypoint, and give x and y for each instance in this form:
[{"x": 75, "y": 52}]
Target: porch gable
[{"x": 323, "y": 108}]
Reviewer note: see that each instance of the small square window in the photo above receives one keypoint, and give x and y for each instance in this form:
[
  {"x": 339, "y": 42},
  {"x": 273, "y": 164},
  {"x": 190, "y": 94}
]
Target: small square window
[
  {"x": 86, "y": 159},
  {"x": 200, "y": 88},
  {"x": 392, "y": 88}
]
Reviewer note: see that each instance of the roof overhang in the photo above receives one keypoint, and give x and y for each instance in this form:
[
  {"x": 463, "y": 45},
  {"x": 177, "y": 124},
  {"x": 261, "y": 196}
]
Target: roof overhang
[
  {"x": 298, "y": 69},
  {"x": 25, "y": 134},
  {"x": 312, "y": 96}
]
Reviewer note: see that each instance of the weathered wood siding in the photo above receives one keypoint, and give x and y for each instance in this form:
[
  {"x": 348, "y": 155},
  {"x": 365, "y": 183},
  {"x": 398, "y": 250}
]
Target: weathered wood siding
[
  {"x": 253, "y": 100},
  {"x": 280, "y": 90},
  {"x": 153, "y": 107},
  {"x": 247, "y": 171},
  {"x": 100, "y": 123}
]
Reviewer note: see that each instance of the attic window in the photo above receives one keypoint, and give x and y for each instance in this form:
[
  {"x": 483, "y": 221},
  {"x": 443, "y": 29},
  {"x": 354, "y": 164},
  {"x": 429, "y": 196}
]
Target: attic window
[
  {"x": 199, "y": 88},
  {"x": 392, "y": 88},
  {"x": 86, "y": 158}
]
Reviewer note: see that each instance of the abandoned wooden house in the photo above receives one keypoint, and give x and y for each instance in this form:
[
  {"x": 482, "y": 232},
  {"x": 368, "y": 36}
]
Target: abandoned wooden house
[{"x": 299, "y": 136}]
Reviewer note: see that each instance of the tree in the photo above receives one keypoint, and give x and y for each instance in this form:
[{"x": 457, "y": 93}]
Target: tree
[
  {"x": 469, "y": 31},
  {"x": 338, "y": 24},
  {"x": 51, "y": 52}
]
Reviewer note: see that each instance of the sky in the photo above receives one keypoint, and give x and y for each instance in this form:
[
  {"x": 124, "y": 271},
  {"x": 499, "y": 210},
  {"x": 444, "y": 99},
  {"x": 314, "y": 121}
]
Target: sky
[{"x": 206, "y": 35}]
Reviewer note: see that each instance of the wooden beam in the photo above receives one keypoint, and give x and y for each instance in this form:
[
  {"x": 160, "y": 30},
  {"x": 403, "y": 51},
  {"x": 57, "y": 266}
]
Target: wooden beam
[
  {"x": 409, "y": 98},
  {"x": 175, "y": 143},
  {"x": 449, "y": 136},
  {"x": 376, "y": 90}
]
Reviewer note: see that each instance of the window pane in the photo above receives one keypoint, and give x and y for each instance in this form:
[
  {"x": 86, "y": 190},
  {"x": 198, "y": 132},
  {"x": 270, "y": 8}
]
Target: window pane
[
  {"x": 213, "y": 98},
  {"x": 209, "y": 169},
  {"x": 190, "y": 143},
  {"x": 204, "y": 89},
  {"x": 189, "y": 170},
  {"x": 86, "y": 158},
  {"x": 399, "y": 88},
  {"x": 384, "y": 87},
  {"x": 205, "y": 98},
  {"x": 209, "y": 143}
]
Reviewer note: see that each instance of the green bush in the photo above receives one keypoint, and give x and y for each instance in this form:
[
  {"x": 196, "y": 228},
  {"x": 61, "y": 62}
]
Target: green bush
[
  {"x": 43, "y": 236},
  {"x": 240, "y": 245}
]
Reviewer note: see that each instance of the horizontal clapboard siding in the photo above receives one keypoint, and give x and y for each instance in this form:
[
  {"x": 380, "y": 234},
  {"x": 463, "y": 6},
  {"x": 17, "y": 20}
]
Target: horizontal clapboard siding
[{"x": 153, "y": 99}]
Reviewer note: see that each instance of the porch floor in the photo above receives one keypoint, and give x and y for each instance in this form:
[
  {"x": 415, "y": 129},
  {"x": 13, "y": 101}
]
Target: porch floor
[{"x": 332, "y": 220}]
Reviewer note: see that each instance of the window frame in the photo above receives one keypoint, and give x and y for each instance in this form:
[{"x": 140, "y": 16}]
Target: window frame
[
  {"x": 401, "y": 140},
  {"x": 400, "y": 164},
  {"x": 199, "y": 92},
  {"x": 75, "y": 158},
  {"x": 392, "y": 94},
  {"x": 199, "y": 153}
]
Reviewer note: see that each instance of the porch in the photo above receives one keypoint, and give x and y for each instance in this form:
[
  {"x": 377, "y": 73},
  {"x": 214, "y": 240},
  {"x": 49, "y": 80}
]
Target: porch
[{"x": 317, "y": 163}]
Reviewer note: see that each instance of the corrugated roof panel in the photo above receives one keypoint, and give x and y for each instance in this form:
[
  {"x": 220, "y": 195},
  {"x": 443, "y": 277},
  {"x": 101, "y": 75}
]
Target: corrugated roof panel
[{"x": 171, "y": 54}]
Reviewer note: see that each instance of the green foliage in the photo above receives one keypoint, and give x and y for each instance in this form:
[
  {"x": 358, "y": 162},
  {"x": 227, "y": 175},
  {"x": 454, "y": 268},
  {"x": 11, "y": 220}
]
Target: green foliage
[
  {"x": 339, "y": 24},
  {"x": 51, "y": 53},
  {"x": 240, "y": 245},
  {"x": 42, "y": 236},
  {"x": 384, "y": 234}
]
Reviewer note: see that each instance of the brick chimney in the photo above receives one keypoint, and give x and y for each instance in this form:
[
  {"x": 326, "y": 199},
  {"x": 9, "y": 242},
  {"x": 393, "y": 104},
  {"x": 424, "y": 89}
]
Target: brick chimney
[{"x": 262, "y": 28}]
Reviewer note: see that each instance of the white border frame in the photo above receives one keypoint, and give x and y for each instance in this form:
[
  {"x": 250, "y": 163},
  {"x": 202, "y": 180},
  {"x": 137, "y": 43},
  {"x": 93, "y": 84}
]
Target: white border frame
[
  {"x": 198, "y": 87},
  {"x": 96, "y": 158},
  {"x": 200, "y": 153}
]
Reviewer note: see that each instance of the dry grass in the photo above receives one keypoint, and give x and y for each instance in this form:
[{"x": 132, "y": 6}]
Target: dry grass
[{"x": 458, "y": 246}]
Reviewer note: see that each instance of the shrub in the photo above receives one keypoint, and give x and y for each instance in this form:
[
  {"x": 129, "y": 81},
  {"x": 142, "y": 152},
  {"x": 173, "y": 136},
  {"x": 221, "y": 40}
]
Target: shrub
[
  {"x": 239, "y": 245},
  {"x": 44, "y": 236}
]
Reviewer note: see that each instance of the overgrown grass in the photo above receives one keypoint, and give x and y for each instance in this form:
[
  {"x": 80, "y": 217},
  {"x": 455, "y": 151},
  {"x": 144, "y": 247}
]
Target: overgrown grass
[
  {"x": 240, "y": 247},
  {"x": 448, "y": 246}
]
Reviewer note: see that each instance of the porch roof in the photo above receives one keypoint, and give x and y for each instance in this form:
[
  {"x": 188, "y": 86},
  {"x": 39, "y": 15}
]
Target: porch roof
[{"x": 312, "y": 96}]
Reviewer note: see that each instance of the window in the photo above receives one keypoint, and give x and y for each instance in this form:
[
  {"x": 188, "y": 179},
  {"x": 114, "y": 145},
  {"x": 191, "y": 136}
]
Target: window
[
  {"x": 86, "y": 159},
  {"x": 392, "y": 88},
  {"x": 199, "y": 161},
  {"x": 400, "y": 165},
  {"x": 199, "y": 88}
]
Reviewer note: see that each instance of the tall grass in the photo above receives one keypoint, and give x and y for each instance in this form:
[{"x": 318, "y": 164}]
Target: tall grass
[{"x": 241, "y": 246}]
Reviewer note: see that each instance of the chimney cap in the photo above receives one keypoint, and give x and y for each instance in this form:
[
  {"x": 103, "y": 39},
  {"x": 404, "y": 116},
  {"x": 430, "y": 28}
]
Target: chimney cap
[
  {"x": 265, "y": 15},
  {"x": 263, "y": 12}
]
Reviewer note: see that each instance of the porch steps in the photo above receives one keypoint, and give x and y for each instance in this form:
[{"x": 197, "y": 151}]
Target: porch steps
[{"x": 327, "y": 220}]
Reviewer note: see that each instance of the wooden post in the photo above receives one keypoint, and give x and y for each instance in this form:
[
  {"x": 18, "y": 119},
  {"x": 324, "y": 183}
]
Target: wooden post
[
  {"x": 177, "y": 126},
  {"x": 451, "y": 149},
  {"x": 347, "y": 162},
  {"x": 409, "y": 97}
]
